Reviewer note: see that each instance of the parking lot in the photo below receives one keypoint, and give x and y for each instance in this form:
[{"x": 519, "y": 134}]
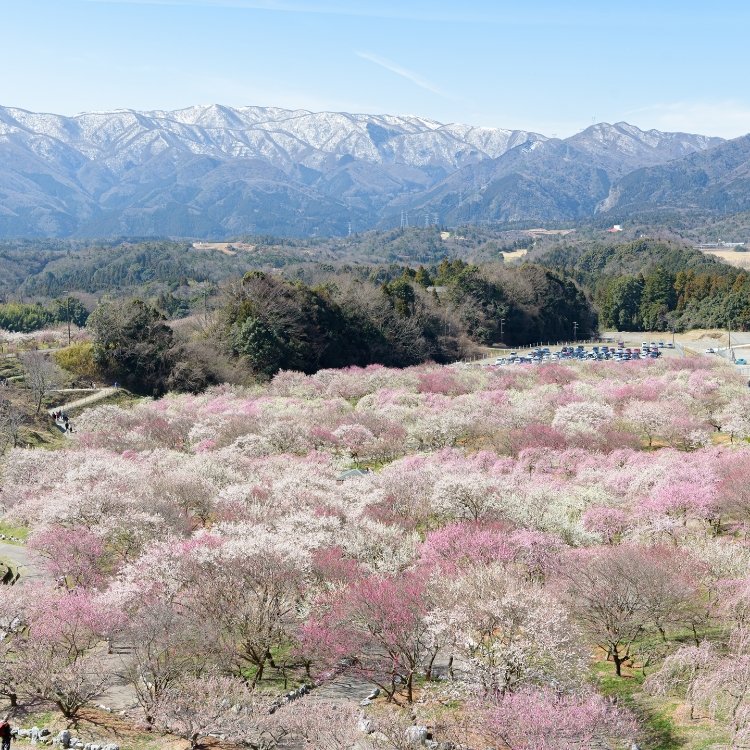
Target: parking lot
[{"x": 615, "y": 351}]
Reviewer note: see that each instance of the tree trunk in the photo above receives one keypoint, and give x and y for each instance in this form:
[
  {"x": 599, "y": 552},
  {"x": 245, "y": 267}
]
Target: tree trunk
[
  {"x": 618, "y": 660},
  {"x": 259, "y": 672},
  {"x": 428, "y": 670}
]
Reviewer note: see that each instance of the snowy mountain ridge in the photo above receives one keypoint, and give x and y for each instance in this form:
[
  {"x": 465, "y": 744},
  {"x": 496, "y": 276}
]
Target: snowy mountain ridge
[
  {"x": 217, "y": 170},
  {"x": 303, "y": 135}
]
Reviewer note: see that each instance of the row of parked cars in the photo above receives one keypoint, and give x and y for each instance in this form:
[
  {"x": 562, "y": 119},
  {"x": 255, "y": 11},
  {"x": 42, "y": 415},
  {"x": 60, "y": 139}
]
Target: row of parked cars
[{"x": 618, "y": 353}]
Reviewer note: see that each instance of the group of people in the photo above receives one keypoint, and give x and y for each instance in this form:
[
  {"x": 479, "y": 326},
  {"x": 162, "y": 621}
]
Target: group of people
[{"x": 61, "y": 418}]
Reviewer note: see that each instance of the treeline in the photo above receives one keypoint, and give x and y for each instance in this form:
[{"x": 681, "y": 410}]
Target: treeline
[
  {"x": 266, "y": 323},
  {"x": 656, "y": 286},
  {"x": 103, "y": 269},
  {"x": 490, "y": 302},
  {"x": 42, "y": 269},
  {"x": 132, "y": 269},
  {"x": 23, "y": 318},
  {"x": 275, "y": 324},
  {"x": 518, "y": 305}
]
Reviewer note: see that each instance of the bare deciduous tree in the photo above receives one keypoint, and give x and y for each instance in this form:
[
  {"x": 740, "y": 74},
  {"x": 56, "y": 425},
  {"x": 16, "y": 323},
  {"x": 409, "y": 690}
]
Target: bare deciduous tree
[
  {"x": 11, "y": 419},
  {"x": 42, "y": 376}
]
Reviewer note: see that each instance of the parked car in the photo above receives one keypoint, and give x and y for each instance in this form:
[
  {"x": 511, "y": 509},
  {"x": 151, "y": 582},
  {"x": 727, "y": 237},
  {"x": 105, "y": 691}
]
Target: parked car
[
  {"x": 740, "y": 361},
  {"x": 710, "y": 350}
]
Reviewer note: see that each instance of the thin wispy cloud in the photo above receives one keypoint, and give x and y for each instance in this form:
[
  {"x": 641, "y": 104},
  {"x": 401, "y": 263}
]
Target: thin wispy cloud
[
  {"x": 426, "y": 10},
  {"x": 383, "y": 10},
  {"x": 399, "y": 70}
]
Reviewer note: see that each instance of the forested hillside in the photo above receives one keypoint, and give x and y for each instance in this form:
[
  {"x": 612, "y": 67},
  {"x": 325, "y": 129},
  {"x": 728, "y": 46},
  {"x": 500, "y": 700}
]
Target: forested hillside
[
  {"x": 657, "y": 286},
  {"x": 262, "y": 324}
]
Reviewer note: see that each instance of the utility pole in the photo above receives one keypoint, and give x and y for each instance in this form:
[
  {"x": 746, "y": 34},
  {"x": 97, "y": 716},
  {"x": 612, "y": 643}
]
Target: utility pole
[
  {"x": 575, "y": 330},
  {"x": 502, "y": 330}
]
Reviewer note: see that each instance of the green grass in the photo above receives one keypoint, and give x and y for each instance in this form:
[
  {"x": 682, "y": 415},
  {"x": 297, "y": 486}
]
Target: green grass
[
  {"x": 35, "y": 437},
  {"x": 659, "y": 729},
  {"x": 273, "y": 679},
  {"x": 10, "y": 530},
  {"x": 664, "y": 727},
  {"x": 10, "y": 368}
]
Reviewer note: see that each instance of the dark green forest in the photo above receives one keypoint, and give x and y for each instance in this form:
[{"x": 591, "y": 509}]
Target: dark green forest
[{"x": 649, "y": 285}]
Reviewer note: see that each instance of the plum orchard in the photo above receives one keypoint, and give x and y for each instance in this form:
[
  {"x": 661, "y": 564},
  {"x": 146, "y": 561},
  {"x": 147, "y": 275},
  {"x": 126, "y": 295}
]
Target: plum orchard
[{"x": 513, "y": 526}]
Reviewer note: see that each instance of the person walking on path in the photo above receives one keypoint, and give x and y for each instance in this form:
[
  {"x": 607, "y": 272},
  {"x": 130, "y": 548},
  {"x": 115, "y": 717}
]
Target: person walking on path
[{"x": 4, "y": 734}]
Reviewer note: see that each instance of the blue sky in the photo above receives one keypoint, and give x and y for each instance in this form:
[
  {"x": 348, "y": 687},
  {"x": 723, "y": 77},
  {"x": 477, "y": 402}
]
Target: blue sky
[{"x": 543, "y": 65}]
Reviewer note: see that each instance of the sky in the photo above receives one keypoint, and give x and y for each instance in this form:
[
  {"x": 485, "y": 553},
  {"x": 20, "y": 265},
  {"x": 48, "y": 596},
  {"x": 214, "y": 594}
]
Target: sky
[{"x": 550, "y": 66}]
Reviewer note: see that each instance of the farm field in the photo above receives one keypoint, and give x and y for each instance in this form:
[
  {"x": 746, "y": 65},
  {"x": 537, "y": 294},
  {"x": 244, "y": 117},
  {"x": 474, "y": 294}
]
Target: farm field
[
  {"x": 514, "y": 254},
  {"x": 363, "y": 556},
  {"x": 227, "y": 248},
  {"x": 734, "y": 258}
]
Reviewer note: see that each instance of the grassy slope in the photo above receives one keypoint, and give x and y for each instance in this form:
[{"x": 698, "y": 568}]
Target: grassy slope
[{"x": 665, "y": 721}]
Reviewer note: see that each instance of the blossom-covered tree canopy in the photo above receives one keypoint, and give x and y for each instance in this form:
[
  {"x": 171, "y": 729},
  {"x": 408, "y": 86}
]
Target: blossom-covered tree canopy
[{"x": 505, "y": 528}]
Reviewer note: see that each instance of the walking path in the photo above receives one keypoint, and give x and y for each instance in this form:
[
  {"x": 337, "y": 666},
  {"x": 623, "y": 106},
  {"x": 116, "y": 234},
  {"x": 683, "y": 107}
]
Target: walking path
[
  {"x": 100, "y": 395},
  {"x": 20, "y": 558}
]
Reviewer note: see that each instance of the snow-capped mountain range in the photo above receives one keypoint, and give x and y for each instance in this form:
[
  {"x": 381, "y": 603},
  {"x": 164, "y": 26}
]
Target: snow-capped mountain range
[{"x": 220, "y": 171}]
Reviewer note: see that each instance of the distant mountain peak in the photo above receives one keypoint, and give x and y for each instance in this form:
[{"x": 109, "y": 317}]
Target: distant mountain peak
[{"x": 216, "y": 170}]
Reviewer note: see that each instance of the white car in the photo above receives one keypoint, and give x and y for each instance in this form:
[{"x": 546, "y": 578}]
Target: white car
[{"x": 710, "y": 350}]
